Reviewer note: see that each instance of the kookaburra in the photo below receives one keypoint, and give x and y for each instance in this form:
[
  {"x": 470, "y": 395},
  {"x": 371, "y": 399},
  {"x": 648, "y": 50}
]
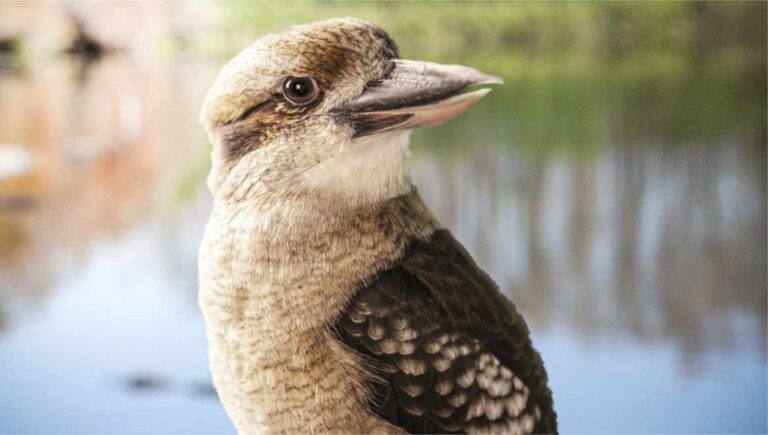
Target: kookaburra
[{"x": 334, "y": 301}]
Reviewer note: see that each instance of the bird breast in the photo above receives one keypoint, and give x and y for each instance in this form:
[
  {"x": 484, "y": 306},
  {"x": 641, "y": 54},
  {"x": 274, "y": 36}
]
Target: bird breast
[{"x": 271, "y": 281}]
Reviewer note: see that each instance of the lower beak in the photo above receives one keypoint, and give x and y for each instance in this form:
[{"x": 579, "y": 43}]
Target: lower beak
[{"x": 415, "y": 94}]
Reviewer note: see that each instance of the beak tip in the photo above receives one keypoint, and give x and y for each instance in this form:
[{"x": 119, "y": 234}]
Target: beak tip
[{"x": 491, "y": 79}]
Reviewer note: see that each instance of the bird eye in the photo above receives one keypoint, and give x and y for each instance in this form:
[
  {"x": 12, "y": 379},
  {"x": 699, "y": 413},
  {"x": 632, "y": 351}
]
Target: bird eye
[{"x": 300, "y": 90}]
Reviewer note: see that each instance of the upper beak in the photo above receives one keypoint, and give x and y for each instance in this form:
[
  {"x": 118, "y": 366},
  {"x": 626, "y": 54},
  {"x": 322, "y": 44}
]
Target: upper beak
[{"x": 415, "y": 94}]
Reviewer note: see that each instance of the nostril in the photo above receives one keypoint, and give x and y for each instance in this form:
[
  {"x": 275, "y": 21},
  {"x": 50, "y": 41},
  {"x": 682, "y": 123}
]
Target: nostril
[{"x": 373, "y": 84}]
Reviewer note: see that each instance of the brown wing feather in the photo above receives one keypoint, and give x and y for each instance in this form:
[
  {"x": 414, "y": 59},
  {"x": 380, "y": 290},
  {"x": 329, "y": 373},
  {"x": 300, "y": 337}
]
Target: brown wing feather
[{"x": 455, "y": 354}]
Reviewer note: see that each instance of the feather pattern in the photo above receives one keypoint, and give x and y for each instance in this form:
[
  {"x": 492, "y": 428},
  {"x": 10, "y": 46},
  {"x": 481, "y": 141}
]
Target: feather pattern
[{"x": 453, "y": 353}]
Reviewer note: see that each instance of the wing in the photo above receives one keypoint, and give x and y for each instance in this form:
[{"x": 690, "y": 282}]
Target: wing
[{"x": 454, "y": 354}]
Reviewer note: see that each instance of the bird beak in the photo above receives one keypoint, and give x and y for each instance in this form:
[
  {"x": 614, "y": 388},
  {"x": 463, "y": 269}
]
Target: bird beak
[{"x": 415, "y": 94}]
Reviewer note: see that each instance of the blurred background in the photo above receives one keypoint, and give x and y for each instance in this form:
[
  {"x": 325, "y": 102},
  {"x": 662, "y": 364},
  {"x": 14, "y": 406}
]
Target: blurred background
[{"x": 615, "y": 187}]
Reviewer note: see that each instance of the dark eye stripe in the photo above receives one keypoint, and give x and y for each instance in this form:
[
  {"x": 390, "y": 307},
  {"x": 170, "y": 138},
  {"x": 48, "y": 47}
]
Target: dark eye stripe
[
  {"x": 257, "y": 108},
  {"x": 238, "y": 139}
]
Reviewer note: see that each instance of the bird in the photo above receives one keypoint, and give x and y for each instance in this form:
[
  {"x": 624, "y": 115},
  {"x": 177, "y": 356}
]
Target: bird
[{"x": 334, "y": 301}]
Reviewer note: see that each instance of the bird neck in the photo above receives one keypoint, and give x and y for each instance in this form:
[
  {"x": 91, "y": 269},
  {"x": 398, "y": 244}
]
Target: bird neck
[
  {"x": 306, "y": 243},
  {"x": 323, "y": 170}
]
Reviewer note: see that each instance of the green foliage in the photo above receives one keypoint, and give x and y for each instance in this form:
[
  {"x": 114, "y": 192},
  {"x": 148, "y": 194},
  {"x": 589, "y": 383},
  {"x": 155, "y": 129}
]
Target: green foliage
[{"x": 444, "y": 30}]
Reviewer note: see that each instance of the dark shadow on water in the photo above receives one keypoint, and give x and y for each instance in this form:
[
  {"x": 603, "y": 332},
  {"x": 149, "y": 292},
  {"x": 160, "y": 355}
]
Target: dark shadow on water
[{"x": 147, "y": 383}]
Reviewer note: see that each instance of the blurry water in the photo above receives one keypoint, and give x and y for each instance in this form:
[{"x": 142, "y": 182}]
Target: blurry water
[{"x": 631, "y": 236}]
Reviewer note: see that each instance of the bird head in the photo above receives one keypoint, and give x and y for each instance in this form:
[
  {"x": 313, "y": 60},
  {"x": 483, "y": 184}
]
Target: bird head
[{"x": 321, "y": 113}]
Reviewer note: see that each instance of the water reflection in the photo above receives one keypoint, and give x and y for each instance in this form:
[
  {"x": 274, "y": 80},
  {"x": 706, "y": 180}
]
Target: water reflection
[
  {"x": 104, "y": 155},
  {"x": 636, "y": 250},
  {"x": 656, "y": 243}
]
